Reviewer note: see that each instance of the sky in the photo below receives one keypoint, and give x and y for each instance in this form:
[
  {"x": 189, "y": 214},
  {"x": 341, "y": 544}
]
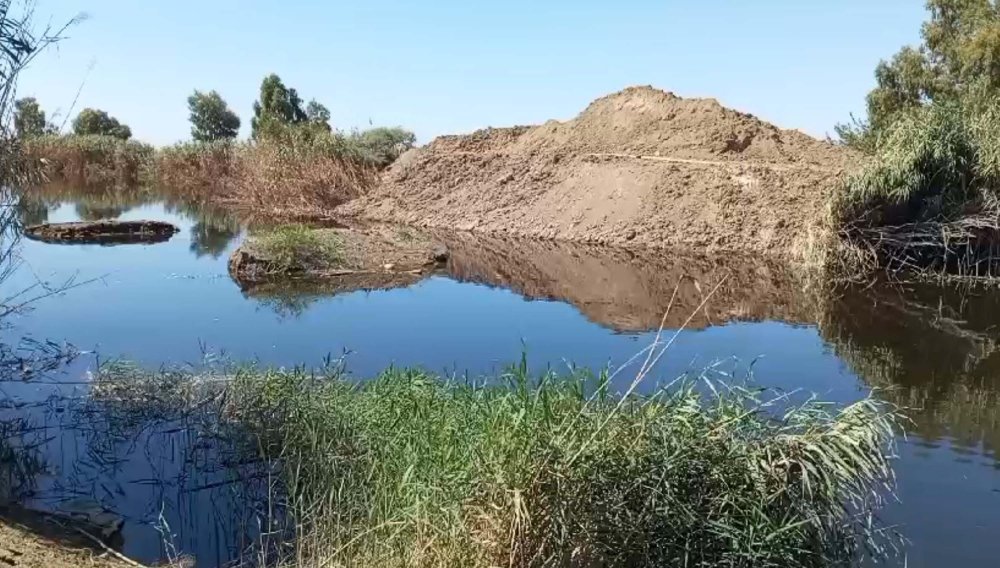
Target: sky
[{"x": 449, "y": 66}]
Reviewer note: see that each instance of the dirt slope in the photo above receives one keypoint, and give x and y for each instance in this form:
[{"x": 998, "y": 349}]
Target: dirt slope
[{"x": 638, "y": 167}]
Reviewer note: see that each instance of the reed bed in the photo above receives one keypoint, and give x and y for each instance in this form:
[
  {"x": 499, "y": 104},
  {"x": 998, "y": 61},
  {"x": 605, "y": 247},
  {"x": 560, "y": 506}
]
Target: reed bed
[{"x": 411, "y": 469}]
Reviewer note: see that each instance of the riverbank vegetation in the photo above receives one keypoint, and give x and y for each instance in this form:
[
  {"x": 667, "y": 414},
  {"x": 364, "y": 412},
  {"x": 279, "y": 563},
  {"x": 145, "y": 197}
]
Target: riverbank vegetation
[
  {"x": 410, "y": 469},
  {"x": 295, "y": 163},
  {"x": 929, "y": 197}
]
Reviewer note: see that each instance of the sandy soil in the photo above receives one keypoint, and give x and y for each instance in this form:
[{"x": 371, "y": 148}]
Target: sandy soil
[
  {"x": 46, "y": 545},
  {"x": 638, "y": 167}
]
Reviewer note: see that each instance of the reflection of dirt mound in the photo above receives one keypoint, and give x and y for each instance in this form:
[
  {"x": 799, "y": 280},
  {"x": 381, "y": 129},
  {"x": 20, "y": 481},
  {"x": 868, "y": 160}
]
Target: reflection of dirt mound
[
  {"x": 639, "y": 167},
  {"x": 102, "y": 232},
  {"x": 626, "y": 290}
]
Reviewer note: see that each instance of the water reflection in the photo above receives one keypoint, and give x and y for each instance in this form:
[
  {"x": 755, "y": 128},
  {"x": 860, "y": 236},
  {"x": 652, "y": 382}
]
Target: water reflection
[{"x": 931, "y": 349}]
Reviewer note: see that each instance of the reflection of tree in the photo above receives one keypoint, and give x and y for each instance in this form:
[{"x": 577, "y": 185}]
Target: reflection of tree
[
  {"x": 933, "y": 350},
  {"x": 88, "y": 211},
  {"x": 212, "y": 240},
  {"x": 32, "y": 211}
]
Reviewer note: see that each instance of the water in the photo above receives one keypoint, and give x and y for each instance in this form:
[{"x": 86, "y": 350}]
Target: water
[{"x": 930, "y": 348}]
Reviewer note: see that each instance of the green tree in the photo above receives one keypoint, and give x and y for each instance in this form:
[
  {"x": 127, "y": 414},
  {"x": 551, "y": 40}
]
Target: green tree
[
  {"x": 211, "y": 117},
  {"x": 277, "y": 107},
  {"x": 381, "y": 146},
  {"x": 318, "y": 116},
  {"x": 960, "y": 52},
  {"x": 94, "y": 121},
  {"x": 29, "y": 119}
]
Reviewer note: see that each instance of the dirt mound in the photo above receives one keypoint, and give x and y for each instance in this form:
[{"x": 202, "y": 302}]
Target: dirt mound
[{"x": 639, "y": 167}]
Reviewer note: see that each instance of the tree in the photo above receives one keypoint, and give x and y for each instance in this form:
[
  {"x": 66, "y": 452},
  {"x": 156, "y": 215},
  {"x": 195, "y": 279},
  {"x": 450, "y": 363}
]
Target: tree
[
  {"x": 211, "y": 117},
  {"x": 960, "y": 53},
  {"x": 93, "y": 121},
  {"x": 29, "y": 119},
  {"x": 381, "y": 146},
  {"x": 318, "y": 116},
  {"x": 278, "y": 106}
]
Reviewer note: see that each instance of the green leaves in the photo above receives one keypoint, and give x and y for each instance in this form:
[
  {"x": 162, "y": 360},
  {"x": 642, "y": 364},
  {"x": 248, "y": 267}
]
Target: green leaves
[
  {"x": 92, "y": 121},
  {"x": 211, "y": 117}
]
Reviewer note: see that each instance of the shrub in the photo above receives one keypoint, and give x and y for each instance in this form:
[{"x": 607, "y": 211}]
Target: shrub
[
  {"x": 930, "y": 195},
  {"x": 382, "y": 146}
]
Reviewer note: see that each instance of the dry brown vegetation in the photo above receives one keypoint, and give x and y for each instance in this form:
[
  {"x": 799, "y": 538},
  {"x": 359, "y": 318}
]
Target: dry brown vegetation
[{"x": 294, "y": 178}]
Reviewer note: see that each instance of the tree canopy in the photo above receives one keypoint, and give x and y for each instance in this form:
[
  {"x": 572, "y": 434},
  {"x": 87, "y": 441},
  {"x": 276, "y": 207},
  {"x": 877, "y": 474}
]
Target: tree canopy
[
  {"x": 211, "y": 118},
  {"x": 959, "y": 54},
  {"x": 318, "y": 115},
  {"x": 278, "y": 106},
  {"x": 29, "y": 119},
  {"x": 92, "y": 121}
]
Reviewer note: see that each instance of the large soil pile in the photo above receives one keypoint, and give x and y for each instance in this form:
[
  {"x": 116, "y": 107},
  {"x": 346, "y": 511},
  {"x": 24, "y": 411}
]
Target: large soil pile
[{"x": 640, "y": 167}]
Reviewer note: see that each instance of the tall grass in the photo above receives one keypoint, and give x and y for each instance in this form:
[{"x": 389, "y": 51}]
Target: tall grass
[
  {"x": 297, "y": 173},
  {"x": 409, "y": 469},
  {"x": 930, "y": 195},
  {"x": 90, "y": 160}
]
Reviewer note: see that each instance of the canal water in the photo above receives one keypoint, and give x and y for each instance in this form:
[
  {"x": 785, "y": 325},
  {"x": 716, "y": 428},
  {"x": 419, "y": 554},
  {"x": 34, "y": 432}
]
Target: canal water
[{"x": 931, "y": 349}]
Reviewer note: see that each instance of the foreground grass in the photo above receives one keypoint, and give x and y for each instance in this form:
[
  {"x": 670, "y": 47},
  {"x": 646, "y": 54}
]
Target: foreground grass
[{"x": 409, "y": 469}]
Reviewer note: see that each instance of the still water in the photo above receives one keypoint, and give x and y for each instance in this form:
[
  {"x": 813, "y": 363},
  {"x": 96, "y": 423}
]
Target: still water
[{"x": 931, "y": 349}]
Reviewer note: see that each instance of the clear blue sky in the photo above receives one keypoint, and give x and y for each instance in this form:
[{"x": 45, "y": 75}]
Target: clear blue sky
[{"x": 450, "y": 66}]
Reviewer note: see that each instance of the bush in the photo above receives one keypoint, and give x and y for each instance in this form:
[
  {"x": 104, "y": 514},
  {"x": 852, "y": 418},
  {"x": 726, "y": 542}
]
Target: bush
[
  {"x": 382, "y": 146},
  {"x": 930, "y": 195}
]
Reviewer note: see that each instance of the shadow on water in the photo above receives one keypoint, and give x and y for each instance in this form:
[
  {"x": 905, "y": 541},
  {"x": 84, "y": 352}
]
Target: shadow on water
[{"x": 931, "y": 349}]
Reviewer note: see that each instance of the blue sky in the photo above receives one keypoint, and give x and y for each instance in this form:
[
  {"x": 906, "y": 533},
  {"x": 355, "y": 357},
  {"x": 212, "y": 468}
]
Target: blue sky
[{"x": 449, "y": 66}]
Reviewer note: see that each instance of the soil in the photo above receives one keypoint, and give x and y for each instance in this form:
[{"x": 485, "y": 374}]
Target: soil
[
  {"x": 371, "y": 257},
  {"x": 29, "y": 540},
  {"x": 102, "y": 232},
  {"x": 638, "y": 167}
]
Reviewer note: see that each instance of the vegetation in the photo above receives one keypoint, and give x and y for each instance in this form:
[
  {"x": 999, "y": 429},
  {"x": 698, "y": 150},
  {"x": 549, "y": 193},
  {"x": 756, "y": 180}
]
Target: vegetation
[
  {"x": 295, "y": 164},
  {"x": 211, "y": 118},
  {"x": 29, "y": 119},
  {"x": 93, "y": 122},
  {"x": 297, "y": 248},
  {"x": 91, "y": 159},
  {"x": 409, "y": 469},
  {"x": 382, "y": 146},
  {"x": 928, "y": 198}
]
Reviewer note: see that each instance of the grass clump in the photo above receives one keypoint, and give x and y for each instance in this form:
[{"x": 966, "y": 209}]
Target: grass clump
[
  {"x": 299, "y": 248},
  {"x": 409, "y": 469}
]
